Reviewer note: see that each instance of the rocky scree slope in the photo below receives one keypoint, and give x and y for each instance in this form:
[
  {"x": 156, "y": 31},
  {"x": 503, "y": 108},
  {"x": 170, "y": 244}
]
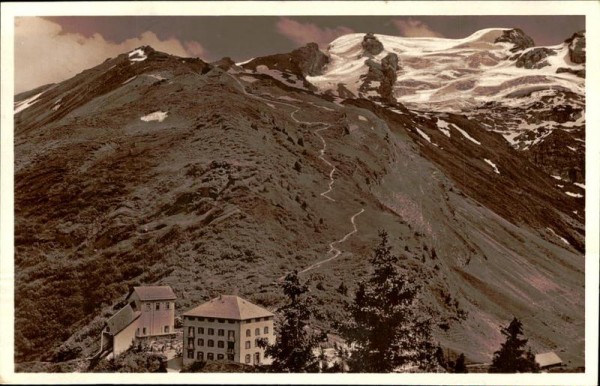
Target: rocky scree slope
[{"x": 209, "y": 178}]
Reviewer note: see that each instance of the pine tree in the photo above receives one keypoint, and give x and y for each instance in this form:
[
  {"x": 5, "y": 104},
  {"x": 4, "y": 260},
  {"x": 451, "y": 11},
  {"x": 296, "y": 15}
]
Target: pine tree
[
  {"x": 384, "y": 326},
  {"x": 512, "y": 357},
  {"x": 293, "y": 349},
  {"x": 342, "y": 289},
  {"x": 440, "y": 357},
  {"x": 460, "y": 367}
]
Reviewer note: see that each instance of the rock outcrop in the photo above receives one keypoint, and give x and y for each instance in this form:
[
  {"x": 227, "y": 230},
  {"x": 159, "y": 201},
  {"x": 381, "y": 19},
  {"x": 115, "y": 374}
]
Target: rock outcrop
[
  {"x": 535, "y": 59},
  {"x": 579, "y": 73},
  {"x": 371, "y": 45},
  {"x": 310, "y": 59},
  {"x": 517, "y": 37},
  {"x": 577, "y": 47},
  {"x": 383, "y": 74},
  {"x": 225, "y": 63}
]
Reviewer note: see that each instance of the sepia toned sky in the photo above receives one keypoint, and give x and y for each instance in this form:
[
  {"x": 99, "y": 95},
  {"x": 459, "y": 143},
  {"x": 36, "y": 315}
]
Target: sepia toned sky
[{"x": 68, "y": 45}]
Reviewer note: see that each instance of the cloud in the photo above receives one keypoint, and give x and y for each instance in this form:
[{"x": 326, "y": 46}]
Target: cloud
[
  {"x": 45, "y": 54},
  {"x": 415, "y": 29},
  {"x": 302, "y": 33}
]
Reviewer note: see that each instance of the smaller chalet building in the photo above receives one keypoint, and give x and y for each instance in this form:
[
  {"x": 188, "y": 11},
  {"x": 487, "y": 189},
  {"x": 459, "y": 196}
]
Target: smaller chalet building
[
  {"x": 150, "y": 311},
  {"x": 548, "y": 360},
  {"x": 226, "y": 328}
]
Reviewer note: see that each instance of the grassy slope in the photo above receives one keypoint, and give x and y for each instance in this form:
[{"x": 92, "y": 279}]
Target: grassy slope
[{"x": 209, "y": 202}]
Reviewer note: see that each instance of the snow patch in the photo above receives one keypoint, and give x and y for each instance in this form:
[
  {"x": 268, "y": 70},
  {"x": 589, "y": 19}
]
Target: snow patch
[
  {"x": 466, "y": 135},
  {"x": 137, "y": 55},
  {"x": 577, "y": 195},
  {"x": 56, "y": 107},
  {"x": 156, "y": 76},
  {"x": 582, "y": 186},
  {"x": 556, "y": 234},
  {"x": 20, "y": 106},
  {"x": 244, "y": 62},
  {"x": 422, "y": 134},
  {"x": 361, "y": 118},
  {"x": 288, "y": 98},
  {"x": 130, "y": 79},
  {"x": 492, "y": 165},
  {"x": 443, "y": 126},
  {"x": 155, "y": 116},
  {"x": 248, "y": 79},
  {"x": 557, "y": 178}
]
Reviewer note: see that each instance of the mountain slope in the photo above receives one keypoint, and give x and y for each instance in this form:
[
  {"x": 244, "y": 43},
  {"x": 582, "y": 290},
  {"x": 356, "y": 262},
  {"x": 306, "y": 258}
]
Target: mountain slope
[{"x": 221, "y": 178}]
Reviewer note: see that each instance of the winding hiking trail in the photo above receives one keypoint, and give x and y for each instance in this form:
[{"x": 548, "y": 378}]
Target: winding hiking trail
[{"x": 332, "y": 249}]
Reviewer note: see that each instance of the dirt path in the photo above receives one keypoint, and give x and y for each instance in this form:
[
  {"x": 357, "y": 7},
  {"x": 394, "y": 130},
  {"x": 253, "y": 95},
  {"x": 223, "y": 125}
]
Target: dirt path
[
  {"x": 333, "y": 251},
  {"x": 332, "y": 248}
]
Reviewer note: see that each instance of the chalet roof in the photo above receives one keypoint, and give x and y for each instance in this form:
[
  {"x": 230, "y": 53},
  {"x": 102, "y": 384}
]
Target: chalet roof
[
  {"x": 229, "y": 307},
  {"x": 156, "y": 292},
  {"x": 548, "y": 359},
  {"x": 123, "y": 318}
]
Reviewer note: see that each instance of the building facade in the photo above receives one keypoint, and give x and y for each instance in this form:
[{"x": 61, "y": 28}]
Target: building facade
[
  {"x": 150, "y": 311},
  {"x": 157, "y": 307},
  {"x": 227, "y": 328}
]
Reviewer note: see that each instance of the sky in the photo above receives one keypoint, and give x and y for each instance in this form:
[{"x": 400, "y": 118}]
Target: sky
[{"x": 52, "y": 49}]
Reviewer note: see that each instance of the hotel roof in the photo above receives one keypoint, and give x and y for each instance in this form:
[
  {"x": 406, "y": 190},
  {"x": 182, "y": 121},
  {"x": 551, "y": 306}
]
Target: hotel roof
[
  {"x": 229, "y": 307},
  {"x": 148, "y": 293}
]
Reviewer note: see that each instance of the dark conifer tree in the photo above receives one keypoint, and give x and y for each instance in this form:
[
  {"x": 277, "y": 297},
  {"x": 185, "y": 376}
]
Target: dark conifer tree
[
  {"x": 460, "y": 367},
  {"x": 512, "y": 357},
  {"x": 293, "y": 349},
  {"x": 384, "y": 326}
]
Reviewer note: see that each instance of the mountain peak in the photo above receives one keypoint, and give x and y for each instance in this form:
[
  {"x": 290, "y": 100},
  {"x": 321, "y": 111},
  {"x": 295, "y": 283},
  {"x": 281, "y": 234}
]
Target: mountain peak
[
  {"x": 371, "y": 45},
  {"x": 517, "y": 37}
]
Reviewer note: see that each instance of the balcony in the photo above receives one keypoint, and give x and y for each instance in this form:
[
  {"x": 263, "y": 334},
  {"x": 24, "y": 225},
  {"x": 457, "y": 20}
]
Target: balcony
[
  {"x": 190, "y": 346},
  {"x": 231, "y": 339},
  {"x": 190, "y": 334},
  {"x": 230, "y": 351}
]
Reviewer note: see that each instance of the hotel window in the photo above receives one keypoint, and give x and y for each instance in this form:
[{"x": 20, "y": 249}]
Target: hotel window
[
  {"x": 210, "y": 356},
  {"x": 256, "y": 358},
  {"x": 257, "y": 331},
  {"x": 190, "y": 330},
  {"x": 190, "y": 354},
  {"x": 221, "y": 344},
  {"x": 247, "y": 344},
  {"x": 211, "y": 343},
  {"x": 248, "y": 332},
  {"x": 200, "y": 356},
  {"x": 220, "y": 357},
  {"x": 256, "y": 342},
  {"x": 200, "y": 342},
  {"x": 148, "y": 306},
  {"x": 231, "y": 321},
  {"x": 247, "y": 358},
  {"x": 211, "y": 331},
  {"x": 221, "y": 320},
  {"x": 157, "y": 306},
  {"x": 231, "y": 334},
  {"x": 211, "y": 320},
  {"x": 221, "y": 332},
  {"x": 166, "y": 329},
  {"x": 266, "y": 330},
  {"x": 144, "y": 331},
  {"x": 168, "y": 305},
  {"x": 200, "y": 330}
]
